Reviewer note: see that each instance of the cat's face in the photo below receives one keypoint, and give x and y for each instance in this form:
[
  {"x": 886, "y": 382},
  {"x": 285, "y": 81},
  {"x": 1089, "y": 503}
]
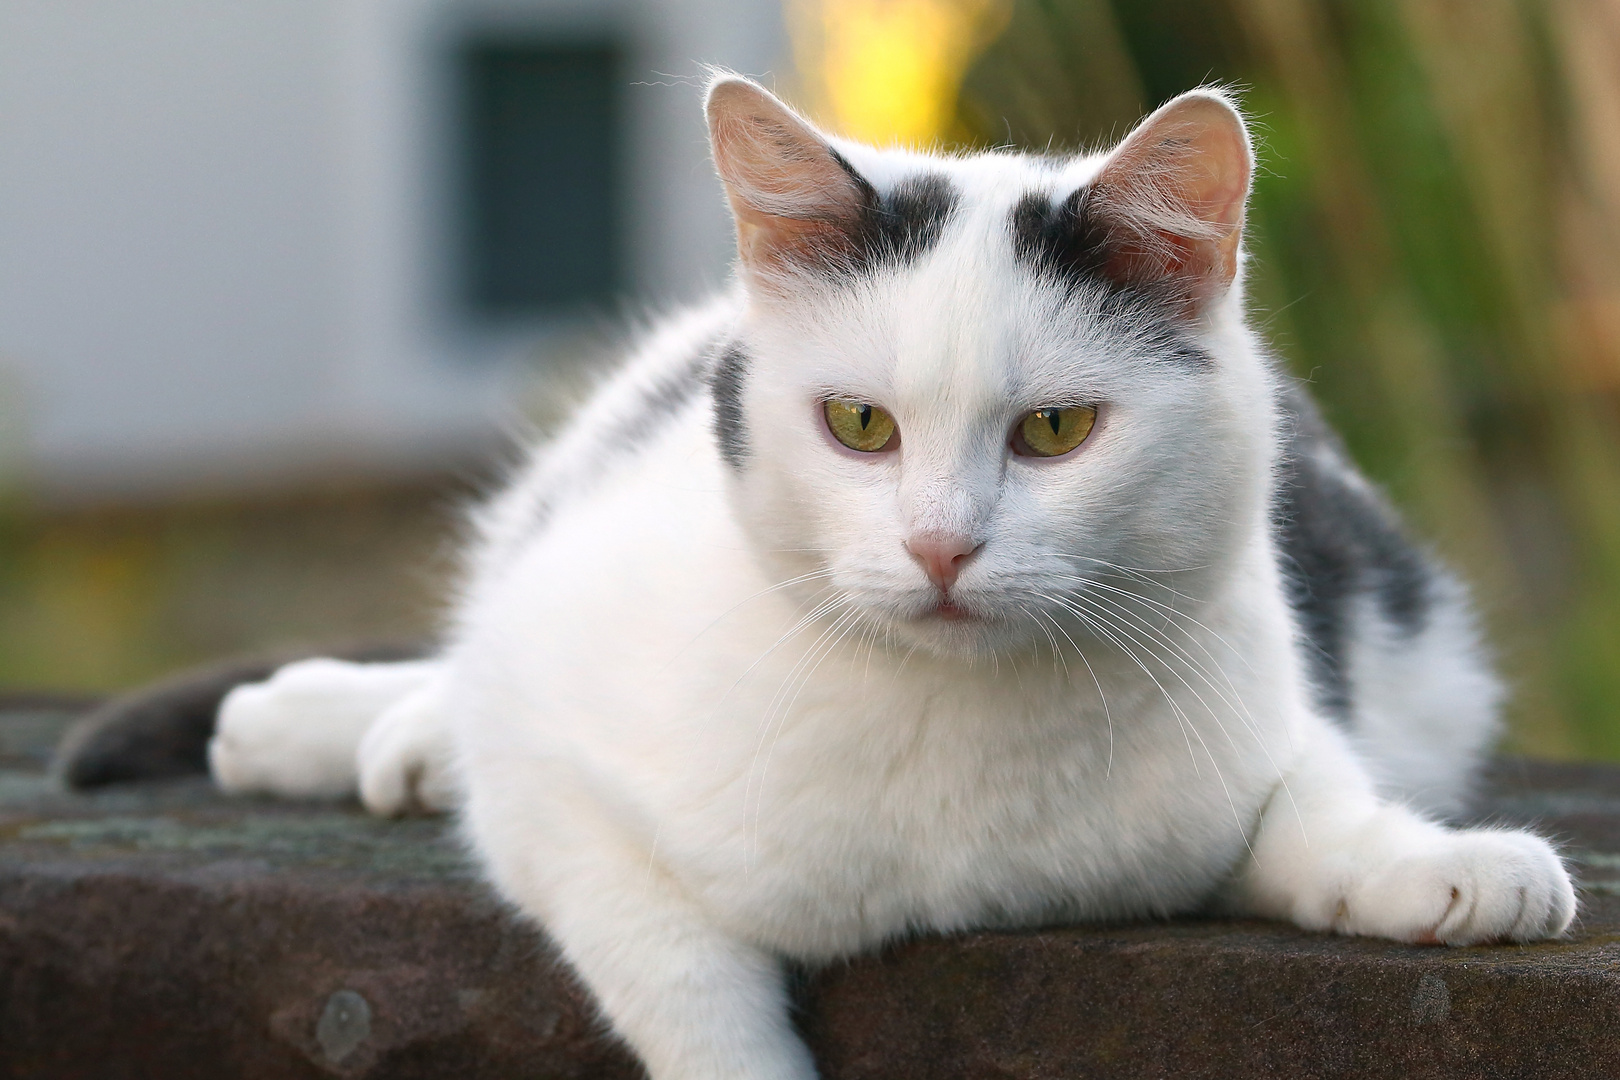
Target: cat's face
[{"x": 961, "y": 409}]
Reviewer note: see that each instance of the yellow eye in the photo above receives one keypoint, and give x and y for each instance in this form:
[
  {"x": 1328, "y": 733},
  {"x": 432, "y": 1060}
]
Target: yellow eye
[
  {"x": 860, "y": 426},
  {"x": 1050, "y": 432}
]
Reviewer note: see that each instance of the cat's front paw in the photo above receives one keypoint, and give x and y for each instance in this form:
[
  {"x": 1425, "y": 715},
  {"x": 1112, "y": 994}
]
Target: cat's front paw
[
  {"x": 281, "y": 737},
  {"x": 295, "y": 734},
  {"x": 1463, "y": 888},
  {"x": 406, "y": 758}
]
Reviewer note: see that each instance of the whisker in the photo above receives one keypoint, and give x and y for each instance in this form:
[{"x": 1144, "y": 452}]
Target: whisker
[
  {"x": 1121, "y": 567},
  {"x": 790, "y": 582},
  {"x": 853, "y": 618},
  {"x": 1081, "y": 653},
  {"x": 1166, "y": 608},
  {"x": 1124, "y": 628},
  {"x": 1097, "y": 682},
  {"x": 776, "y": 715},
  {"x": 824, "y": 608},
  {"x": 1235, "y": 702},
  {"x": 1126, "y": 649},
  {"x": 1057, "y": 653},
  {"x": 766, "y": 725},
  {"x": 821, "y": 609}
]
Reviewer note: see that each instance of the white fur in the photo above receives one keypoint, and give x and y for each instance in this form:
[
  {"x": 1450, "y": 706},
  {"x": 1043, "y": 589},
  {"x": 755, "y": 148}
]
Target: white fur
[
  {"x": 1424, "y": 715},
  {"x": 296, "y": 734},
  {"x": 704, "y": 720}
]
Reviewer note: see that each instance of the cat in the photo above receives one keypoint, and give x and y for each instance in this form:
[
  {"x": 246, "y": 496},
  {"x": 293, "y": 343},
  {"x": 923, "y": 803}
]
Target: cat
[{"x": 968, "y": 563}]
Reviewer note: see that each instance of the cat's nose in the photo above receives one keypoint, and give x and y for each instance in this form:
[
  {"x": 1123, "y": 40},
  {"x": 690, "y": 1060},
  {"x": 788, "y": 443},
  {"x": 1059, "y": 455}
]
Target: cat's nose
[{"x": 941, "y": 557}]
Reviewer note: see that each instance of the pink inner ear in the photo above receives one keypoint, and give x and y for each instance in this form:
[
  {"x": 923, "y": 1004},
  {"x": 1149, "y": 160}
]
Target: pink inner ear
[
  {"x": 1173, "y": 197},
  {"x": 792, "y": 199}
]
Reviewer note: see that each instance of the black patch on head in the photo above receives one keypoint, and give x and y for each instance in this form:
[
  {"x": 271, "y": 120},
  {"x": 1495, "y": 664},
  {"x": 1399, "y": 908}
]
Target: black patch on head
[
  {"x": 726, "y": 385},
  {"x": 1065, "y": 242},
  {"x": 1339, "y": 541},
  {"x": 901, "y": 224},
  {"x": 907, "y": 221}
]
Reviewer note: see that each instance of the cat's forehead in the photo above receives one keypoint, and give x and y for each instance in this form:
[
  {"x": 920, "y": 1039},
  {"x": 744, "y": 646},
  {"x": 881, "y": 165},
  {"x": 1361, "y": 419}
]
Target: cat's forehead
[
  {"x": 960, "y": 292},
  {"x": 979, "y": 185},
  {"x": 953, "y": 301}
]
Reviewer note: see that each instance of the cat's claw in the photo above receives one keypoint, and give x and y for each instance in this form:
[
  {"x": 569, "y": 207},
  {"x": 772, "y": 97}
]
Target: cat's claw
[{"x": 1468, "y": 888}]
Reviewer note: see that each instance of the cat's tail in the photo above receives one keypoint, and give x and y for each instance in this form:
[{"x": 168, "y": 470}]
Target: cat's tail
[{"x": 286, "y": 728}]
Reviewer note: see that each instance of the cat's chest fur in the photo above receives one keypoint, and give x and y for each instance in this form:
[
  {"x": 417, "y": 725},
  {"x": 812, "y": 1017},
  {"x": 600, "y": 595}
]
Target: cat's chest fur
[{"x": 959, "y": 806}]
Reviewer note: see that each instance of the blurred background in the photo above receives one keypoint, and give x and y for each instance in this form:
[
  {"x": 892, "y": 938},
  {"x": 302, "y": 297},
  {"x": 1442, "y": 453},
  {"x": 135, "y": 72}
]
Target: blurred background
[{"x": 278, "y": 279}]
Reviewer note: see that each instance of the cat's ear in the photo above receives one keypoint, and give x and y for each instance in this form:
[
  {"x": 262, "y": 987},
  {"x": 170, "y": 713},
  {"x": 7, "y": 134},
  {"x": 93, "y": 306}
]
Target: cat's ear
[
  {"x": 1171, "y": 197},
  {"x": 794, "y": 197}
]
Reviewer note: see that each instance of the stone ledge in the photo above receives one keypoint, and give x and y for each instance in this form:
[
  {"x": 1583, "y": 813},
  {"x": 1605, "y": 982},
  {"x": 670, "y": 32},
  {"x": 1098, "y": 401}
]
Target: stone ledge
[{"x": 157, "y": 930}]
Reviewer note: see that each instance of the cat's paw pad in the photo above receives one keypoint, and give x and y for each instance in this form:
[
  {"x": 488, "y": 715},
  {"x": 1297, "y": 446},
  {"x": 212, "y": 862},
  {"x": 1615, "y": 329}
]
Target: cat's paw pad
[
  {"x": 1465, "y": 888},
  {"x": 405, "y": 758}
]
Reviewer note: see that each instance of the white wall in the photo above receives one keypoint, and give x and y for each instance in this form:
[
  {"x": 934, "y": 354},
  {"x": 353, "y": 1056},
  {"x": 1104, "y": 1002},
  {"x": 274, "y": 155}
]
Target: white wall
[{"x": 224, "y": 254}]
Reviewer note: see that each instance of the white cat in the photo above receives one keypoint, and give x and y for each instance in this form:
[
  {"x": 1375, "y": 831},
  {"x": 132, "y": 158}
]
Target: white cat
[{"x": 968, "y": 564}]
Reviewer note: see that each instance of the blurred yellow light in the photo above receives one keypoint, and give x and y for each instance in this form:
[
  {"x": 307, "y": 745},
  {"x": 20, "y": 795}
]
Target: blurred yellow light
[{"x": 887, "y": 71}]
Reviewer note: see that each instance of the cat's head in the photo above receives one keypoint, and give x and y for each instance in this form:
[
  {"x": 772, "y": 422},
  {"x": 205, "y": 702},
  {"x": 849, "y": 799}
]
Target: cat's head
[{"x": 972, "y": 394}]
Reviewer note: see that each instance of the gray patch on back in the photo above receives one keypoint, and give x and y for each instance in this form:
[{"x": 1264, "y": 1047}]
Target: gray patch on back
[
  {"x": 620, "y": 436},
  {"x": 660, "y": 402},
  {"x": 1339, "y": 542}
]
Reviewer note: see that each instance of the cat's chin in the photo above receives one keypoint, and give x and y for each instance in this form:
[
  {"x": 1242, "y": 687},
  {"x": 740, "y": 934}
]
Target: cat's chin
[
  {"x": 951, "y": 630},
  {"x": 950, "y": 619}
]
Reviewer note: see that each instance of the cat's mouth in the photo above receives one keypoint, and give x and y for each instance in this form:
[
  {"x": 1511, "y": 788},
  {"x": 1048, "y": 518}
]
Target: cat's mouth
[{"x": 951, "y": 613}]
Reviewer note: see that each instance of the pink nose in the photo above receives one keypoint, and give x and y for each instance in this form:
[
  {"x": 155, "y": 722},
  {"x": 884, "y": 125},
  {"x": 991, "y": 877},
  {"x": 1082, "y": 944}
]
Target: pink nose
[{"x": 941, "y": 557}]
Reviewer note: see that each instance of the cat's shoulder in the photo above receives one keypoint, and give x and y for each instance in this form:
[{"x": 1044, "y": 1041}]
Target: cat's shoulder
[{"x": 681, "y": 361}]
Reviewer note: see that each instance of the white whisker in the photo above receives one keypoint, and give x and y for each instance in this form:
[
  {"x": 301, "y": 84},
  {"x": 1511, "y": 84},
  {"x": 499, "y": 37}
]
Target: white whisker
[{"x": 1123, "y": 628}]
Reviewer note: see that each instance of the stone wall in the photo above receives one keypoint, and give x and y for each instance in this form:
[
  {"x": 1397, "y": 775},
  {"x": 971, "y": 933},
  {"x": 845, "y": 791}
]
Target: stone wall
[{"x": 157, "y": 930}]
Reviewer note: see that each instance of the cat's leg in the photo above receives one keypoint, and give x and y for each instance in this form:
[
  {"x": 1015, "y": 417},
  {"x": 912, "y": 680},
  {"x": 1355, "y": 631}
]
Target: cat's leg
[
  {"x": 1330, "y": 855},
  {"x": 297, "y": 733},
  {"x": 691, "y": 1000}
]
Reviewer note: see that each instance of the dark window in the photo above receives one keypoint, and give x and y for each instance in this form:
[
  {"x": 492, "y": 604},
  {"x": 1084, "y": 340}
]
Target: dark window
[{"x": 541, "y": 183}]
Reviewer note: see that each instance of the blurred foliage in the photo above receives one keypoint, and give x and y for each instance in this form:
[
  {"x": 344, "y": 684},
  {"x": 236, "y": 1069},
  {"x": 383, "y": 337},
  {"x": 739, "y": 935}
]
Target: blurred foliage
[
  {"x": 1434, "y": 234},
  {"x": 886, "y": 70},
  {"x": 99, "y": 599}
]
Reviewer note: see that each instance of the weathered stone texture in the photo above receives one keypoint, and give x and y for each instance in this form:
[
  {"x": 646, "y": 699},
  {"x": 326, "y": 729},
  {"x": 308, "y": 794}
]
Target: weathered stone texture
[{"x": 158, "y": 930}]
